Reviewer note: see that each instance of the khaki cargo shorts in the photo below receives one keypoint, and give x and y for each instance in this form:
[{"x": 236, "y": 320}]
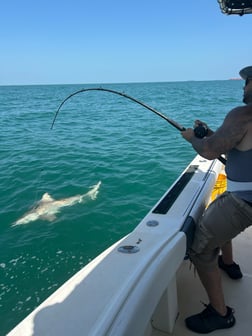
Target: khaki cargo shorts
[{"x": 223, "y": 220}]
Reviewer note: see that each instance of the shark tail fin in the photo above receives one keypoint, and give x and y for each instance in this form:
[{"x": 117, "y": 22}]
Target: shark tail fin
[{"x": 92, "y": 193}]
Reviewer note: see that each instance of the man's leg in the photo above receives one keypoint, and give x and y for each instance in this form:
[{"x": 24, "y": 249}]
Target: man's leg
[
  {"x": 211, "y": 280},
  {"x": 227, "y": 253},
  {"x": 226, "y": 262},
  {"x": 216, "y": 315}
]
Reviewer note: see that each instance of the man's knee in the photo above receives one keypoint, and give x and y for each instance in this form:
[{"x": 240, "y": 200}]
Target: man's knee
[{"x": 205, "y": 260}]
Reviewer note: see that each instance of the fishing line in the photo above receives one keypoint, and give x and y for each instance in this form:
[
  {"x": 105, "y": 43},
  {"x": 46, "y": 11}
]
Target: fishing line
[
  {"x": 200, "y": 131},
  {"x": 38, "y": 183}
]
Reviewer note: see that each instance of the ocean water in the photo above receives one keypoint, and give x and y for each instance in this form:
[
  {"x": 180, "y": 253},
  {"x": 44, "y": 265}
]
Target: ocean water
[{"x": 97, "y": 136}]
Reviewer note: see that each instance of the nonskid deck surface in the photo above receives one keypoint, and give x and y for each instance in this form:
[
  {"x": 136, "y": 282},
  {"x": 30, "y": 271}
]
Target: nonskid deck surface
[{"x": 238, "y": 293}]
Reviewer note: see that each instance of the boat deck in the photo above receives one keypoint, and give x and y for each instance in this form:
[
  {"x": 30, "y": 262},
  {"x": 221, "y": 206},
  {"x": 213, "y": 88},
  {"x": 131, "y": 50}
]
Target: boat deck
[{"x": 238, "y": 293}]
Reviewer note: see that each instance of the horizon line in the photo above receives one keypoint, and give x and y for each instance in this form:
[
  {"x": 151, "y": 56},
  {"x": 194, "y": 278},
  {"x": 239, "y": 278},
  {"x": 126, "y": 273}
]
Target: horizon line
[{"x": 119, "y": 83}]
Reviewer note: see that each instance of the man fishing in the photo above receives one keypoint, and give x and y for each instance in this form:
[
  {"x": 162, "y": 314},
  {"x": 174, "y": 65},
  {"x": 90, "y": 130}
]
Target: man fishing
[{"x": 230, "y": 213}]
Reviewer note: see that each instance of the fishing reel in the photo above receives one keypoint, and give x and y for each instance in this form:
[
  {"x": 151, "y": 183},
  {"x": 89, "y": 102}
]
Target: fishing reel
[{"x": 200, "y": 131}]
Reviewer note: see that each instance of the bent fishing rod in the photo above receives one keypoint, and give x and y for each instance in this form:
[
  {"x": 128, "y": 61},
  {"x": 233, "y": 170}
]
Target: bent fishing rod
[{"x": 199, "y": 131}]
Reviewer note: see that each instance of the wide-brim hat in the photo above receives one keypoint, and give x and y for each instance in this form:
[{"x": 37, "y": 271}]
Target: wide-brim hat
[{"x": 246, "y": 73}]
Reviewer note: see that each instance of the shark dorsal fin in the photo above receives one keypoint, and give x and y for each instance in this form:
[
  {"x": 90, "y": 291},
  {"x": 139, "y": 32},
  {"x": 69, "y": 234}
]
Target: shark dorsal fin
[{"x": 46, "y": 198}]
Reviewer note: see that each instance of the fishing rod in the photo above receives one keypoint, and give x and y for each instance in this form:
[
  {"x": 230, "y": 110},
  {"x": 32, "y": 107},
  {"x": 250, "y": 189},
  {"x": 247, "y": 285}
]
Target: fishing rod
[
  {"x": 172, "y": 122},
  {"x": 200, "y": 131}
]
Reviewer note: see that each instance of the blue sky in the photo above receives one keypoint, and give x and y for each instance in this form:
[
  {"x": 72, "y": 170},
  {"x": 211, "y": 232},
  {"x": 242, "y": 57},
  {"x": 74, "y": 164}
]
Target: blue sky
[{"x": 108, "y": 41}]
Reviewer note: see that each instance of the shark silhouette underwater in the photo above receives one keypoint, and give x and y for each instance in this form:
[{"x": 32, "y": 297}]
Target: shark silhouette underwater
[{"x": 47, "y": 207}]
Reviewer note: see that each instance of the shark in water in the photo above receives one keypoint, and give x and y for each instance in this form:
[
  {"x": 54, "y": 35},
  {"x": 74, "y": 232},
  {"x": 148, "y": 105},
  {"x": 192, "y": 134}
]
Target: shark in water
[{"x": 47, "y": 207}]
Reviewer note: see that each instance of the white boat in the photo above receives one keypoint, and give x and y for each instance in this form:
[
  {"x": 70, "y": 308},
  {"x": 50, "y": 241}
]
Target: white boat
[{"x": 142, "y": 285}]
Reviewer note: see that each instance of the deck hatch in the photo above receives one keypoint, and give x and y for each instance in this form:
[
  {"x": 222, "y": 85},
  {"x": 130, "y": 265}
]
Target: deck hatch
[{"x": 166, "y": 203}]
